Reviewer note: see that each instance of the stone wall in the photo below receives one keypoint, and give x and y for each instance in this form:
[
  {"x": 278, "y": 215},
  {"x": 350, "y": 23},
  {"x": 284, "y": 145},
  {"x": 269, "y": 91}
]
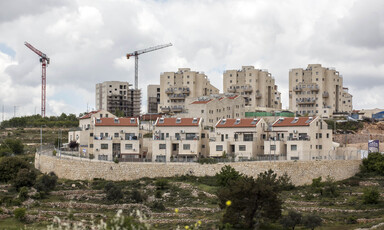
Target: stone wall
[{"x": 301, "y": 172}]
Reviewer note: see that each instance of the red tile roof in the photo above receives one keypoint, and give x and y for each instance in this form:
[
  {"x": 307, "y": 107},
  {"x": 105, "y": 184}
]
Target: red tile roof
[
  {"x": 233, "y": 97},
  {"x": 122, "y": 121},
  {"x": 171, "y": 121},
  {"x": 88, "y": 115},
  {"x": 231, "y": 123},
  {"x": 288, "y": 121},
  {"x": 202, "y": 102}
]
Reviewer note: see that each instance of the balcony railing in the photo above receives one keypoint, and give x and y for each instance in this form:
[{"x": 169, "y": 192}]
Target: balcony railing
[
  {"x": 231, "y": 90},
  {"x": 297, "y": 89},
  {"x": 325, "y": 94},
  {"x": 303, "y": 101}
]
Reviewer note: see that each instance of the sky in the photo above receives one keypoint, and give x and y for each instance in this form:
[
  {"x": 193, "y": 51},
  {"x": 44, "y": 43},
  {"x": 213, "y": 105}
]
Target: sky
[{"x": 87, "y": 41}]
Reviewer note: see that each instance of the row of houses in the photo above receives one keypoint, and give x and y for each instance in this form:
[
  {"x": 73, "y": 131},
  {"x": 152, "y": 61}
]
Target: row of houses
[{"x": 105, "y": 137}]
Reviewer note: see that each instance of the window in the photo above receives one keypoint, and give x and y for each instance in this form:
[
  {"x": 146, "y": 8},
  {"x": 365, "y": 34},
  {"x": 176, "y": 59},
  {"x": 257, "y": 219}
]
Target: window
[
  {"x": 132, "y": 120},
  {"x": 106, "y": 134},
  {"x": 166, "y": 135},
  {"x": 116, "y": 135},
  {"x": 320, "y": 147},
  {"x": 91, "y": 134},
  {"x": 186, "y": 146},
  {"x": 203, "y": 135},
  {"x": 219, "y": 148},
  {"x": 202, "y": 111},
  {"x": 91, "y": 146},
  {"x": 190, "y": 136},
  {"x": 162, "y": 146},
  {"x": 248, "y": 137},
  {"x": 242, "y": 147},
  {"x": 203, "y": 146},
  {"x": 128, "y": 146},
  {"x": 273, "y": 147},
  {"x": 293, "y": 147},
  {"x": 327, "y": 135},
  {"x": 104, "y": 146}
]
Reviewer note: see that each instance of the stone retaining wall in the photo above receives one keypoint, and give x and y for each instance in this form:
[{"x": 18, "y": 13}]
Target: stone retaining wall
[{"x": 301, "y": 172}]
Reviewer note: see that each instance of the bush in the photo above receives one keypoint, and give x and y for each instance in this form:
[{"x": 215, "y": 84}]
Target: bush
[
  {"x": 16, "y": 146},
  {"x": 113, "y": 193},
  {"x": 148, "y": 135},
  {"x": 371, "y": 196},
  {"x": 157, "y": 206},
  {"x": 137, "y": 197},
  {"x": 25, "y": 177},
  {"x": 330, "y": 188},
  {"x": 46, "y": 182},
  {"x": 10, "y": 166},
  {"x": 207, "y": 161},
  {"x": 373, "y": 163},
  {"x": 285, "y": 182},
  {"x": 158, "y": 194},
  {"x": 20, "y": 214},
  {"x": 312, "y": 221},
  {"x": 227, "y": 175},
  {"x": 54, "y": 152},
  {"x": 162, "y": 184},
  {"x": 23, "y": 194},
  {"x": 116, "y": 160},
  {"x": 291, "y": 220},
  {"x": 352, "y": 220}
]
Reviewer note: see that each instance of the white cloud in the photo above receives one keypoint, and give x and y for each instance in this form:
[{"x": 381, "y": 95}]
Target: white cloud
[{"x": 87, "y": 42}]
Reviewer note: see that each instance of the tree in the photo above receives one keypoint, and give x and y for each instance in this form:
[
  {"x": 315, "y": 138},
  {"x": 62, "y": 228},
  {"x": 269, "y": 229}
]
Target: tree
[
  {"x": 226, "y": 175},
  {"x": 73, "y": 145},
  {"x": 10, "y": 166},
  {"x": 373, "y": 163},
  {"x": 15, "y": 146},
  {"x": 119, "y": 113},
  {"x": 312, "y": 221},
  {"x": 113, "y": 193},
  {"x": 371, "y": 195},
  {"x": 291, "y": 220},
  {"x": 25, "y": 178},
  {"x": 46, "y": 182},
  {"x": 20, "y": 213},
  {"x": 248, "y": 201}
]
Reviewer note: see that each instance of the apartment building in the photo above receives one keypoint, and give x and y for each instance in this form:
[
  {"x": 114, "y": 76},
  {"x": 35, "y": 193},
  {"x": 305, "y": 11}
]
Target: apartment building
[
  {"x": 177, "y": 139},
  {"x": 153, "y": 99},
  {"x": 240, "y": 138},
  {"x": 176, "y": 87},
  {"x": 116, "y": 138},
  {"x": 115, "y": 96},
  {"x": 215, "y": 107},
  {"x": 106, "y": 136},
  {"x": 82, "y": 134},
  {"x": 255, "y": 85},
  {"x": 299, "y": 138},
  {"x": 318, "y": 90}
]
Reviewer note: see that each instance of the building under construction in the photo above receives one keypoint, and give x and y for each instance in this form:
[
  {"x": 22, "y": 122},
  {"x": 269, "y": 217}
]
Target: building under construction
[{"x": 115, "y": 96}]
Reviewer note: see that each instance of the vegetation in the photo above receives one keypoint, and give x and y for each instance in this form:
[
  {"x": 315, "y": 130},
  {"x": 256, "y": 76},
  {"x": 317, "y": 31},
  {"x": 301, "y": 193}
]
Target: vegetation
[
  {"x": 37, "y": 121},
  {"x": 20, "y": 214},
  {"x": 371, "y": 196},
  {"x": 291, "y": 220},
  {"x": 374, "y": 163},
  {"x": 345, "y": 126},
  {"x": 113, "y": 193},
  {"x": 10, "y": 166}
]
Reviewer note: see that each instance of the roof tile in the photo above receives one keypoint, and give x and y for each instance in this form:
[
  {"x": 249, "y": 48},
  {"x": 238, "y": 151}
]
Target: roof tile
[
  {"x": 171, "y": 121},
  {"x": 110, "y": 121},
  {"x": 244, "y": 123},
  {"x": 288, "y": 121}
]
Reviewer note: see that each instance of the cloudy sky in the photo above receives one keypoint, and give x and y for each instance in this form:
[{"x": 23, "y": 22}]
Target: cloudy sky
[{"x": 87, "y": 41}]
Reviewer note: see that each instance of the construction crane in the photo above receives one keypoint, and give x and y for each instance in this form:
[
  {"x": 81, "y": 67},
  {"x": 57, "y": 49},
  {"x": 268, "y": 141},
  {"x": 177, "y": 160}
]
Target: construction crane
[
  {"x": 137, "y": 53},
  {"x": 44, "y": 62}
]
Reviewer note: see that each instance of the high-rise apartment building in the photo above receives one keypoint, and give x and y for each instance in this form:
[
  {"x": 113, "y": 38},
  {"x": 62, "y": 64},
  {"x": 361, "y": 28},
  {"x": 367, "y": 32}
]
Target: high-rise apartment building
[
  {"x": 153, "y": 99},
  {"x": 176, "y": 87},
  {"x": 317, "y": 90},
  {"x": 116, "y": 96},
  {"x": 256, "y": 86}
]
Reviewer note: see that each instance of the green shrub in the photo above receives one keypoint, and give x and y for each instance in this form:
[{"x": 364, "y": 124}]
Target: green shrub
[
  {"x": 312, "y": 221},
  {"x": 136, "y": 196},
  {"x": 10, "y": 166},
  {"x": 113, "y": 192},
  {"x": 371, "y": 195},
  {"x": 116, "y": 160},
  {"x": 148, "y": 135},
  {"x": 46, "y": 182},
  {"x": 207, "y": 161},
  {"x": 158, "y": 194},
  {"x": 226, "y": 175},
  {"x": 20, "y": 214},
  {"x": 373, "y": 163},
  {"x": 351, "y": 220},
  {"x": 285, "y": 182},
  {"x": 15, "y": 145},
  {"x": 54, "y": 152},
  {"x": 291, "y": 220},
  {"x": 162, "y": 184},
  {"x": 23, "y": 193},
  {"x": 25, "y": 177},
  {"x": 157, "y": 206}
]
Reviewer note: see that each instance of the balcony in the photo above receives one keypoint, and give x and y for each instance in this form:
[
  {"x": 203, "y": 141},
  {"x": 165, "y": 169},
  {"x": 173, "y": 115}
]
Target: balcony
[
  {"x": 169, "y": 91},
  {"x": 297, "y": 89},
  {"x": 325, "y": 94},
  {"x": 313, "y": 87},
  {"x": 233, "y": 90},
  {"x": 258, "y": 95},
  {"x": 177, "y": 108},
  {"x": 248, "y": 88},
  {"x": 305, "y": 101},
  {"x": 177, "y": 96},
  {"x": 165, "y": 109}
]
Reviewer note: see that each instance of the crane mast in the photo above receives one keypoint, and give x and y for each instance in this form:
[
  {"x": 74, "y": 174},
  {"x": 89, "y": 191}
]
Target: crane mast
[
  {"x": 44, "y": 63},
  {"x": 137, "y": 53}
]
